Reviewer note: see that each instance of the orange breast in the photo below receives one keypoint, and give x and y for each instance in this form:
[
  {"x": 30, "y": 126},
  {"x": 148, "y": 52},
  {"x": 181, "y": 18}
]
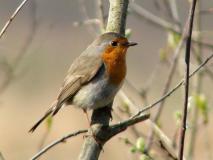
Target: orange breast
[{"x": 115, "y": 60}]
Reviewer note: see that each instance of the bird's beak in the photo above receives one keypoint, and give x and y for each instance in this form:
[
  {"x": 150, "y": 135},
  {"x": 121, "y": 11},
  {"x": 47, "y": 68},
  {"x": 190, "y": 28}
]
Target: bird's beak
[{"x": 131, "y": 44}]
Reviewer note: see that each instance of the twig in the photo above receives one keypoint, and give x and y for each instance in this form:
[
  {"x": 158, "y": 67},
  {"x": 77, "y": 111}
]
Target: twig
[
  {"x": 11, "y": 68},
  {"x": 86, "y": 22},
  {"x": 173, "y": 89},
  {"x": 60, "y": 140},
  {"x": 207, "y": 70},
  {"x": 198, "y": 85},
  {"x": 117, "y": 128},
  {"x": 12, "y": 17},
  {"x": 165, "y": 90},
  {"x": 176, "y": 54},
  {"x": 139, "y": 10},
  {"x": 187, "y": 61},
  {"x": 164, "y": 139}
]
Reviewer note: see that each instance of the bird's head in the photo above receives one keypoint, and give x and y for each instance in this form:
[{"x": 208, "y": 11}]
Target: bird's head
[
  {"x": 114, "y": 47},
  {"x": 114, "y": 44}
]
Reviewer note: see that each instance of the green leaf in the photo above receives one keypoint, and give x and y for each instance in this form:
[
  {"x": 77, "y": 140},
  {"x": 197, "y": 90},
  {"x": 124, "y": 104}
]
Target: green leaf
[
  {"x": 140, "y": 144},
  {"x": 133, "y": 149},
  {"x": 202, "y": 104},
  {"x": 178, "y": 117},
  {"x": 49, "y": 122},
  {"x": 173, "y": 39},
  {"x": 144, "y": 157}
]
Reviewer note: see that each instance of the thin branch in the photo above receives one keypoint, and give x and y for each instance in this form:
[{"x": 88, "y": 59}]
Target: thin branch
[
  {"x": 165, "y": 90},
  {"x": 160, "y": 134},
  {"x": 171, "y": 73},
  {"x": 173, "y": 89},
  {"x": 54, "y": 143},
  {"x": 198, "y": 52},
  {"x": 12, "y": 17},
  {"x": 10, "y": 69},
  {"x": 187, "y": 61},
  {"x": 87, "y": 22},
  {"x": 117, "y": 128},
  {"x": 139, "y": 10},
  {"x": 164, "y": 139},
  {"x": 207, "y": 70}
]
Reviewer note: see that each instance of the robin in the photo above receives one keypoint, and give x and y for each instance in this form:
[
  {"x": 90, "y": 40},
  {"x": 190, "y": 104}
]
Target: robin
[{"x": 95, "y": 76}]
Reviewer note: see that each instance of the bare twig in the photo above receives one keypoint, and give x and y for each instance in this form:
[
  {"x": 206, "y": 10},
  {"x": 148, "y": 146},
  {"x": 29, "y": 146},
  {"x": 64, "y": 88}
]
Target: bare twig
[
  {"x": 10, "y": 69},
  {"x": 198, "y": 85},
  {"x": 12, "y": 17},
  {"x": 54, "y": 143},
  {"x": 207, "y": 70},
  {"x": 87, "y": 22},
  {"x": 187, "y": 61},
  {"x": 171, "y": 71},
  {"x": 165, "y": 90},
  {"x": 164, "y": 139},
  {"x": 117, "y": 128},
  {"x": 173, "y": 89},
  {"x": 139, "y": 10}
]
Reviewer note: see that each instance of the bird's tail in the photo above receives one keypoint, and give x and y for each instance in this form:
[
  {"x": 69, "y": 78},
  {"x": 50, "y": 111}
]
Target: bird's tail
[{"x": 48, "y": 113}]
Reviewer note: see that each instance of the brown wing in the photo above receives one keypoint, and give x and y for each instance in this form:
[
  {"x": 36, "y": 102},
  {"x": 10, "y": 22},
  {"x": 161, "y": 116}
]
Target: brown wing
[
  {"x": 80, "y": 73},
  {"x": 82, "y": 70}
]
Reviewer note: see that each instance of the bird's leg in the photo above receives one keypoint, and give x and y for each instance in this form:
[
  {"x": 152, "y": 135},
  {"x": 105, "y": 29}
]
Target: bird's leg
[{"x": 85, "y": 112}]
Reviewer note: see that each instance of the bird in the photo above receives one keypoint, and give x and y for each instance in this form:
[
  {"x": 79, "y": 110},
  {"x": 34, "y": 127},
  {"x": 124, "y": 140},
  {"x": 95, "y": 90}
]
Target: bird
[{"x": 94, "y": 77}]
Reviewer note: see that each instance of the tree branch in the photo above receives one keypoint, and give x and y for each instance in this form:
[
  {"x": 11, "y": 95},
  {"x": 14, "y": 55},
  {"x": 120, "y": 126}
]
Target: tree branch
[
  {"x": 117, "y": 128},
  {"x": 187, "y": 61},
  {"x": 162, "y": 23},
  {"x": 117, "y": 16},
  {"x": 100, "y": 117},
  {"x": 54, "y": 143},
  {"x": 12, "y": 17},
  {"x": 173, "y": 89}
]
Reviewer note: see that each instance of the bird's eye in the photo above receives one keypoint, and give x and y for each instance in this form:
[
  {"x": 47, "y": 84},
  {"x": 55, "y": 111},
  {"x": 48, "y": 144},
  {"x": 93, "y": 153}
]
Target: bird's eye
[{"x": 114, "y": 43}]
